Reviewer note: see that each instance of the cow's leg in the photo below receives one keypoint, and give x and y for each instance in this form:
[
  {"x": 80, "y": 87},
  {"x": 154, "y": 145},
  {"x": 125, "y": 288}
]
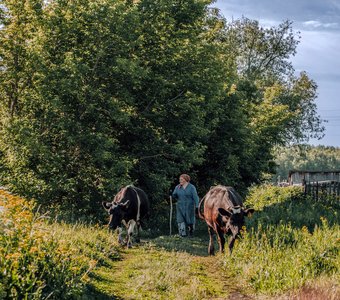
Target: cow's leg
[
  {"x": 131, "y": 227},
  {"x": 138, "y": 232},
  {"x": 120, "y": 238},
  {"x": 220, "y": 239},
  {"x": 231, "y": 243},
  {"x": 211, "y": 249}
]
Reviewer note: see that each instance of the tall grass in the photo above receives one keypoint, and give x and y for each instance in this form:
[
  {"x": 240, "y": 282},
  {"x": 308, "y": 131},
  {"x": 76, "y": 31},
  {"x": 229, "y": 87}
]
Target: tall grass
[
  {"x": 290, "y": 241},
  {"x": 290, "y": 205},
  {"x": 290, "y": 244},
  {"x": 46, "y": 261}
]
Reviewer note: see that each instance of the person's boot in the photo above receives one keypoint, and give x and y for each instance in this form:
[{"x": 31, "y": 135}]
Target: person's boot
[
  {"x": 181, "y": 229},
  {"x": 191, "y": 230}
]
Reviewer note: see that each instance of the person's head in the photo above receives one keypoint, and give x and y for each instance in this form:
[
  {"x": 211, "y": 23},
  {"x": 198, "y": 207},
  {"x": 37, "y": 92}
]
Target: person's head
[{"x": 184, "y": 178}]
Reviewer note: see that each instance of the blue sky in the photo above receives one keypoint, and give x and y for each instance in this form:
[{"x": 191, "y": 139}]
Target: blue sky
[{"x": 318, "y": 53}]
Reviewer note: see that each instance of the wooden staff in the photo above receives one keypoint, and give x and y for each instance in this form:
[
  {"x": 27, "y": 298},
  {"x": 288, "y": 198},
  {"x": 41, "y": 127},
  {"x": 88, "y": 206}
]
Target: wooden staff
[{"x": 170, "y": 213}]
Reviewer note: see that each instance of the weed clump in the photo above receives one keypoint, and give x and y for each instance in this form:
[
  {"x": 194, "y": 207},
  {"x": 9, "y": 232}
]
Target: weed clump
[
  {"x": 290, "y": 242},
  {"x": 35, "y": 263}
]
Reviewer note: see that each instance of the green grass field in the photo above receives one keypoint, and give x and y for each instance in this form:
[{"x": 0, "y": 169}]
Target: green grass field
[{"x": 288, "y": 250}]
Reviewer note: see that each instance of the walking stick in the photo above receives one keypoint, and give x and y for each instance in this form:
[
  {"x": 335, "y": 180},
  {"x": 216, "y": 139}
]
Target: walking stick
[{"x": 170, "y": 213}]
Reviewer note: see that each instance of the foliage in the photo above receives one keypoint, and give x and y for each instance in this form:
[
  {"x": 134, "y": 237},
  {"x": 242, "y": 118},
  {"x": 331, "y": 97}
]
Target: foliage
[
  {"x": 264, "y": 196},
  {"x": 275, "y": 205},
  {"x": 305, "y": 157},
  {"x": 265, "y": 104},
  {"x": 278, "y": 258},
  {"x": 64, "y": 131},
  {"x": 269, "y": 84},
  {"x": 99, "y": 94},
  {"x": 38, "y": 260},
  {"x": 289, "y": 242},
  {"x": 34, "y": 265}
]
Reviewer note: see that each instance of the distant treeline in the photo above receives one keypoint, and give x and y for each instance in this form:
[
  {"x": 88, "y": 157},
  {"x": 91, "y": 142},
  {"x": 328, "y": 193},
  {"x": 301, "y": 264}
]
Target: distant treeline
[
  {"x": 307, "y": 158},
  {"x": 96, "y": 94}
]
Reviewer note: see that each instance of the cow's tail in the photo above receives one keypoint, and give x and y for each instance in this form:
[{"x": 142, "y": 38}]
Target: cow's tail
[
  {"x": 138, "y": 205},
  {"x": 200, "y": 211}
]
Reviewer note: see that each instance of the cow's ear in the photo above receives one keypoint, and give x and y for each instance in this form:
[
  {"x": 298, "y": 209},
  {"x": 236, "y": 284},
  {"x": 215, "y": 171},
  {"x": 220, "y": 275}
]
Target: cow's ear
[
  {"x": 224, "y": 213},
  {"x": 125, "y": 205},
  {"x": 107, "y": 205},
  {"x": 249, "y": 211}
]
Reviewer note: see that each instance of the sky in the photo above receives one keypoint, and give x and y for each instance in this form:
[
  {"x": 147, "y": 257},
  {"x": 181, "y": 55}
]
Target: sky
[{"x": 318, "y": 53}]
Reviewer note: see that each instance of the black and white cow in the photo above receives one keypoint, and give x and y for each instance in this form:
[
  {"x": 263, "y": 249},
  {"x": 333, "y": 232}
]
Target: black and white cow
[{"x": 128, "y": 208}]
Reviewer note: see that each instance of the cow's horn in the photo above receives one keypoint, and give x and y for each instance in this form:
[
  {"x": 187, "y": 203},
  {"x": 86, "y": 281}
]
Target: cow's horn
[
  {"x": 106, "y": 205},
  {"x": 126, "y": 203}
]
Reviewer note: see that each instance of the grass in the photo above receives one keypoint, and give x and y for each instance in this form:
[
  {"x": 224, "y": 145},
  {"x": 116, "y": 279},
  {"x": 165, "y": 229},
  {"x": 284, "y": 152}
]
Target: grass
[
  {"x": 273, "y": 261},
  {"x": 288, "y": 250},
  {"x": 153, "y": 272},
  {"x": 291, "y": 242},
  {"x": 40, "y": 260}
]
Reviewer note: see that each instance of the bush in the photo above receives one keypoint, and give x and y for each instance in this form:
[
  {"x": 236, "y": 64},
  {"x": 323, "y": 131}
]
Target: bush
[
  {"x": 291, "y": 241},
  {"x": 275, "y": 205},
  {"x": 272, "y": 259},
  {"x": 33, "y": 263},
  {"x": 263, "y": 196}
]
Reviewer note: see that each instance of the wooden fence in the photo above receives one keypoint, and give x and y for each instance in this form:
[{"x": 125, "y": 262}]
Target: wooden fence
[
  {"x": 302, "y": 176},
  {"x": 320, "y": 189}
]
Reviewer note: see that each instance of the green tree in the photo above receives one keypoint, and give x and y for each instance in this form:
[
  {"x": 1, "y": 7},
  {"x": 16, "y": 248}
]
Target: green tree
[
  {"x": 306, "y": 158},
  {"x": 62, "y": 144},
  {"x": 279, "y": 108},
  {"x": 118, "y": 98},
  {"x": 96, "y": 94},
  {"x": 180, "y": 90}
]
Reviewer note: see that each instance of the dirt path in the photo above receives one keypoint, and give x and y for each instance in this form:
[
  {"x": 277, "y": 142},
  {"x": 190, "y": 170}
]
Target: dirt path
[
  {"x": 166, "y": 268},
  {"x": 229, "y": 288}
]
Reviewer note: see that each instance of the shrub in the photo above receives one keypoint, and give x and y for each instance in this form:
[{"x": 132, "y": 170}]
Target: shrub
[
  {"x": 276, "y": 259},
  {"x": 275, "y": 205},
  {"x": 291, "y": 241},
  {"x": 263, "y": 196},
  {"x": 33, "y": 263}
]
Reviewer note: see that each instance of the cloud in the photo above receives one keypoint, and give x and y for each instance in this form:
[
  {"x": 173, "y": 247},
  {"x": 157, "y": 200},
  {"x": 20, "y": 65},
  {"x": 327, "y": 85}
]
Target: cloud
[
  {"x": 306, "y": 14},
  {"x": 312, "y": 24}
]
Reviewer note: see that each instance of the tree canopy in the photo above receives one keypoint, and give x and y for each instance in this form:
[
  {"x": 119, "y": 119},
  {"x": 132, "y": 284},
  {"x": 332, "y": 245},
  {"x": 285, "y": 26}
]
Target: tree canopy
[
  {"x": 96, "y": 94},
  {"x": 305, "y": 158}
]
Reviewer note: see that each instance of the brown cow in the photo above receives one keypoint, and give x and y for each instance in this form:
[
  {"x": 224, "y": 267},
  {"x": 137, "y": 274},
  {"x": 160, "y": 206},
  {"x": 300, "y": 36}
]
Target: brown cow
[{"x": 224, "y": 213}]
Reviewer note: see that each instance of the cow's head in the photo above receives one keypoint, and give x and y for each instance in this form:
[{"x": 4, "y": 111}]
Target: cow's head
[
  {"x": 116, "y": 212},
  {"x": 233, "y": 218}
]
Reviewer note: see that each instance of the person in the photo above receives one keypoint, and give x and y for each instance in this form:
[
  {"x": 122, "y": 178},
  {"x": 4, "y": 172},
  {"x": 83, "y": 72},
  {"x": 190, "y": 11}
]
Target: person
[{"x": 187, "y": 204}]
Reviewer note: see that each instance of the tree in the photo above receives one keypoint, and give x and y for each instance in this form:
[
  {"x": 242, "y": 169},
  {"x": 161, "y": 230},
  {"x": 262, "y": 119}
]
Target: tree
[
  {"x": 305, "y": 157},
  {"x": 277, "y": 107},
  {"x": 103, "y": 93},
  {"x": 61, "y": 146},
  {"x": 112, "y": 88}
]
